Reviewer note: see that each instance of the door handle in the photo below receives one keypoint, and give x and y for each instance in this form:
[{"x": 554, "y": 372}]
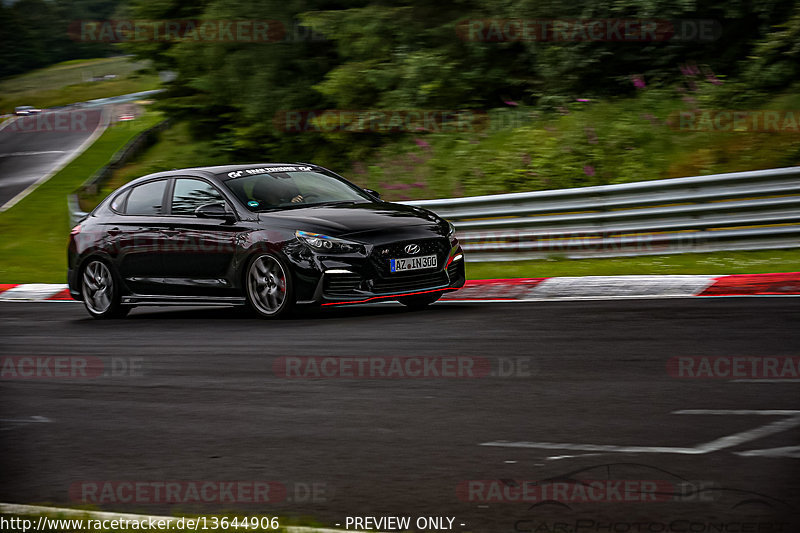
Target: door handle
[{"x": 113, "y": 231}]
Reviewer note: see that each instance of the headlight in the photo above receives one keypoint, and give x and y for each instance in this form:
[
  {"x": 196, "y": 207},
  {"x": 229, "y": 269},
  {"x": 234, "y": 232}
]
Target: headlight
[{"x": 324, "y": 243}]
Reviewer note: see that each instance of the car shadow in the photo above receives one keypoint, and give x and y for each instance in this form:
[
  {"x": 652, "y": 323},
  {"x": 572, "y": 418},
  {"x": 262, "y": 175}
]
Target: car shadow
[{"x": 311, "y": 314}]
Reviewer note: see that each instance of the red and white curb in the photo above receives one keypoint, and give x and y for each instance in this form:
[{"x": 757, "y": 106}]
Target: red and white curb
[{"x": 548, "y": 289}]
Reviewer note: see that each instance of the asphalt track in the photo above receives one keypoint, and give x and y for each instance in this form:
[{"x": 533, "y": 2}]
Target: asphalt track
[
  {"x": 207, "y": 405},
  {"x": 32, "y": 147}
]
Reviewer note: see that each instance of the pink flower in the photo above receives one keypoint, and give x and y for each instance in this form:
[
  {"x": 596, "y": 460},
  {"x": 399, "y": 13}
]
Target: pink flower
[
  {"x": 583, "y": 100},
  {"x": 690, "y": 69},
  {"x": 638, "y": 82},
  {"x": 511, "y": 102},
  {"x": 588, "y": 170},
  {"x": 421, "y": 143},
  {"x": 395, "y": 186}
]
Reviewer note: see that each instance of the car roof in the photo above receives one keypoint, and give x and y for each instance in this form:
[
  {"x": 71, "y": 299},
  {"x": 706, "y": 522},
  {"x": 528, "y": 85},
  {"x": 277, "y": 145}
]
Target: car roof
[
  {"x": 223, "y": 169},
  {"x": 215, "y": 170}
]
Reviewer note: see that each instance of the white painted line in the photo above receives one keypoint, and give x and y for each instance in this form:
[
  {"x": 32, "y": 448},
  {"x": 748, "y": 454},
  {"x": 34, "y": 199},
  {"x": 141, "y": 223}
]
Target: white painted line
[
  {"x": 764, "y": 380},
  {"x": 559, "y": 457},
  {"x": 12, "y": 423},
  {"x": 33, "y": 419},
  {"x": 791, "y": 420},
  {"x": 607, "y": 448},
  {"x": 786, "y": 451},
  {"x": 36, "y": 510},
  {"x": 101, "y": 127},
  {"x": 14, "y": 154},
  {"x": 741, "y": 412},
  {"x": 736, "y": 439},
  {"x": 32, "y": 291}
]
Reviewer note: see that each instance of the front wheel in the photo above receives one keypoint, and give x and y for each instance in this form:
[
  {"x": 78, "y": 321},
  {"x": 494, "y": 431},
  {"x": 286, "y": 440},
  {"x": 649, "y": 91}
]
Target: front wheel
[
  {"x": 419, "y": 302},
  {"x": 100, "y": 291},
  {"x": 269, "y": 286}
]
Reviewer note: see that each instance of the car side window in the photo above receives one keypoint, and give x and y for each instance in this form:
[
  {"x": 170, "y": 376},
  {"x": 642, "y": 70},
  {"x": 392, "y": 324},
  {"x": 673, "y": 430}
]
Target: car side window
[
  {"x": 118, "y": 202},
  {"x": 146, "y": 199},
  {"x": 189, "y": 194}
]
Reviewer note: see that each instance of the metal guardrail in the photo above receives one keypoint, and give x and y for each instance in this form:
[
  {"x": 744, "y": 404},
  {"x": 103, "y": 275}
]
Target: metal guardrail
[{"x": 757, "y": 210}]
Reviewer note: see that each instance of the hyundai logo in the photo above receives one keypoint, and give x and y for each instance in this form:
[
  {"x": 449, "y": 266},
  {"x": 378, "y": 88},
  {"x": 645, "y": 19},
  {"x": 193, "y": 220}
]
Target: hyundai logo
[{"x": 412, "y": 248}]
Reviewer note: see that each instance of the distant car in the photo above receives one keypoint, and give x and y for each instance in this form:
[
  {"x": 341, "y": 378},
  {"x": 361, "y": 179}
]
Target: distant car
[
  {"x": 269, "y": 236},
  {"x": 25, "y": 110}
]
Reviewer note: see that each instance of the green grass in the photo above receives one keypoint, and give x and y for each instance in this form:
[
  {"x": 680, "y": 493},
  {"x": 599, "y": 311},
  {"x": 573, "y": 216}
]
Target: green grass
[
  {"x": 34, "y": 233},
  {"x": 589, "y": 143},
  {"x": 752, "y": 262},
  {"x": 67, "y": 83}
]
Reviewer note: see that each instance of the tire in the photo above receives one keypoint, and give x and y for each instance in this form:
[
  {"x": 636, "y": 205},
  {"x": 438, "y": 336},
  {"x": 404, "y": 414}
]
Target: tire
[
  {"x": 268, "y": 286},
  {"x": 419, "y": 302},
  {"x": 100, "y": 289}
]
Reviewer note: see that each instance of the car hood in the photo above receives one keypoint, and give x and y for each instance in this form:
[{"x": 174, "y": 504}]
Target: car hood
[{"x": 368, "y": 222}]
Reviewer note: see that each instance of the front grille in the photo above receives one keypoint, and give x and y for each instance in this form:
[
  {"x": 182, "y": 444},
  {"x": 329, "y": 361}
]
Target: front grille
[
  {"x": 409, "y": 282},
  {"x": 452, "y": 270},
  {"x": 341, "y": 284},
  {"x": 381, "y": 254}
]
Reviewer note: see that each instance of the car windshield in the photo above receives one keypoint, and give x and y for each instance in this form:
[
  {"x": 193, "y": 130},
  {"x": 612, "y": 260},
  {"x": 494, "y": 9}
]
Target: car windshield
[{"x": 282, "y": 190}]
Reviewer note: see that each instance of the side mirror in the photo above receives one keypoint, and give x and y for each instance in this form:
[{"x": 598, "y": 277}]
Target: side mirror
[
  {"x": 374, "y": 193},
  {"x": 216, "y": 210}
]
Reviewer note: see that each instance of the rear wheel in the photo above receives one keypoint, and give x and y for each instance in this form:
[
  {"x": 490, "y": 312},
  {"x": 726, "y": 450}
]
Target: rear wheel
[
  {"x": 269, "y": 287},
  {"x": 419, "y": 302},
  {"x": 101, "y": 292}
]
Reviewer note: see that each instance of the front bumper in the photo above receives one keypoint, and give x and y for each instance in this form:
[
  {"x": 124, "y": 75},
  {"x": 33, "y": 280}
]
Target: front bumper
[{"x": 342, "y": 281}]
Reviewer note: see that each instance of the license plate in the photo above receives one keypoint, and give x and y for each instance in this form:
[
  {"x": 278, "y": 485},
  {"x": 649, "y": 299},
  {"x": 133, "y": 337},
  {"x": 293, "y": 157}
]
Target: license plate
[{"x": 412, "y": 263}]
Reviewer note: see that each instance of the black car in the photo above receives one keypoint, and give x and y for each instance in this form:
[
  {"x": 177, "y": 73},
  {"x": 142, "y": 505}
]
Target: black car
[{"x": 270, "y": 236}]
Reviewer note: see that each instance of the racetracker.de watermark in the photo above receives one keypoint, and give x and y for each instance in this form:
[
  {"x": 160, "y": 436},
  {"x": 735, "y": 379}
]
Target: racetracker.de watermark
[
  {"x": 634, "y": 30},
  {"x": 195, "y": 30},
  {"x": 784, "y": 121},
  {"x": 381, "y": 121},
  {"x": 28, "y": 367},
  {"x": 583, "y": 491},
  {"x": 197, "y": 491},
  {"x": 55, "y": 121},
  {"x": 733, "y": 367},
  {"x": 402, "y": 367}
]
